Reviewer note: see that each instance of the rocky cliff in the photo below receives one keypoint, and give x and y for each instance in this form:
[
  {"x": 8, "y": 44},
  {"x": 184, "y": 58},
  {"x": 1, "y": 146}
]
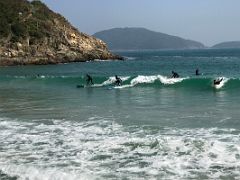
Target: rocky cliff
[{"x": 30, "y": 33}]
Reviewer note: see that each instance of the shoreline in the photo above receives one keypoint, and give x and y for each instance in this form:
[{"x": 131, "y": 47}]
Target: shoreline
[{"x": 24, "y": 61}]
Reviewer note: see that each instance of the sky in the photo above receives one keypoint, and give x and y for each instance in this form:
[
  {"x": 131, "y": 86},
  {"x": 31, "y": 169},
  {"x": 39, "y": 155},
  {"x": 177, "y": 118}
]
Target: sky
[{"x": 207, "y": 21}]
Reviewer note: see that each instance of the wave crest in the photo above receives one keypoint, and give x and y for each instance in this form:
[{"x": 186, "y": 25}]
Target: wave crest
[{"x": 155, "y": 81}]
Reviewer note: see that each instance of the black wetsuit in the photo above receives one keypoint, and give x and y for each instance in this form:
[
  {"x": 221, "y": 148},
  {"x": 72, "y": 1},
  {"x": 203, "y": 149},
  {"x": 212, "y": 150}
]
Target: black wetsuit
[
  {"x": 89, "y": 80},
  {"x": 217, "y": 82},
  {"x": 175, "y": 75},
  {"x": 118, "y": 81},
  {"x": 197, "y": 72}
]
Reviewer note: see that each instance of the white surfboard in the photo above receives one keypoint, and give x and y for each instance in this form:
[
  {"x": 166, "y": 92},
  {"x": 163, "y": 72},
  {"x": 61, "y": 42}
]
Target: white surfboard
[
  {"x": 221, "y": 84},
  {"x": 218, "y": 86}
]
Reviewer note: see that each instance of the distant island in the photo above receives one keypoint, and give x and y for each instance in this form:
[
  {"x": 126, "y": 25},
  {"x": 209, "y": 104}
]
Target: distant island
[
  {"x": 227, "y": 45},
  {"x": 30, "y": 33},
  {"x": 144, "y": 39}
]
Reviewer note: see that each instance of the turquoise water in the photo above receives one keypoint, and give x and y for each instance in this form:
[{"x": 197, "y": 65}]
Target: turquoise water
[{"x": 151, "y": 127}]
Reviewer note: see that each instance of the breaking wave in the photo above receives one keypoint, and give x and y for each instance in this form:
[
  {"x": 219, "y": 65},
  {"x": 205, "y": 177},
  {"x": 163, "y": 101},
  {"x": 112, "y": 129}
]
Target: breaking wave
[
  {"x": 101, "y": 148},
  {"x": 156, "y": 81}
]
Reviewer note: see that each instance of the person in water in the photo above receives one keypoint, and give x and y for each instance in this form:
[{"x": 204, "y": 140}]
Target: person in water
[
  {"x": 89, "y": 79},
  {"x": 118, "y": 81},
  {"x": 217, "y": 81},
  {"x": 175, "y": 75},
  {"x": 197, "y": 72}
]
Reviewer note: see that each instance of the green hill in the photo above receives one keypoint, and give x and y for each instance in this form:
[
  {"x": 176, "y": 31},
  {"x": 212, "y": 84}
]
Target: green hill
[
  {"x": 141, "y": 38},
  {"x": 30, "y": 33}
]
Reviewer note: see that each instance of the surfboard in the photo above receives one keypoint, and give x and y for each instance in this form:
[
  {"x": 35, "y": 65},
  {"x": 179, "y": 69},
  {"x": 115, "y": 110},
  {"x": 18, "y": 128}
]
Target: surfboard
[
  {"x": 220, "y": 85},
  {"x": 87, "y": 86},
  {"x": 111, "y": 87},
  {"x": 80, "y": 86}
]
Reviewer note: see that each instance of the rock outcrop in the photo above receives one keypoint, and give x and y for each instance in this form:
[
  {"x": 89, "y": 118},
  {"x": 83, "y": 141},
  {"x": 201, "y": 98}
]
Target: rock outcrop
[{"x": 30, "y": 33}]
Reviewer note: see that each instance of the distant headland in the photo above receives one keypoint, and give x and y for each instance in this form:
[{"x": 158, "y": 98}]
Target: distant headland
[
  {"x": 144, "y": 39},
  {"x": 227, "y": 45},
  {"x": 30, "y": 33}
]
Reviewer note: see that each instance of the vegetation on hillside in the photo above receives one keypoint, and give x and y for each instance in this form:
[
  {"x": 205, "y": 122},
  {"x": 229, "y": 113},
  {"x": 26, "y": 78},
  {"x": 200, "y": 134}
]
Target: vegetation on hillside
[
  {"x": 20, "y": 19},
  {"x": 30, "y": 33}
]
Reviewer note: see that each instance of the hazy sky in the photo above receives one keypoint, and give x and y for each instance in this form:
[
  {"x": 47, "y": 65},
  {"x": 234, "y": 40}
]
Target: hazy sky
[{"x": 207, "y": 21}]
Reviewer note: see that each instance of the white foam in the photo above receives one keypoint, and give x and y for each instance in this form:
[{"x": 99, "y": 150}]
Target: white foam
[
  {"x": 100, "y": 60},
  {"x": 222, "y": 83},
  {"x": 139, "y": 80},
  {"x": 130, "y": 58},
  {"x": 111, "y": 80},
  {"x": 39, "y": 173},
  {"x": 151, "y": 79},
  {"x": 166, "y": 80},
  {"x": 123, "y": 86},
  {"x": 143, "y": 79},
  {"x": 100, "y": 147}
]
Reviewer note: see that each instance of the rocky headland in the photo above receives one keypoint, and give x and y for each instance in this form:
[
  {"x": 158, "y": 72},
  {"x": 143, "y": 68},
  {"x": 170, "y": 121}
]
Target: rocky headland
[{"x": 30, "y": 33}]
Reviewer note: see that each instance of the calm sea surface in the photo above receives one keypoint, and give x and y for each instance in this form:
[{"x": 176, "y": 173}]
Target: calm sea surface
[{"x": 151, "y": 127}]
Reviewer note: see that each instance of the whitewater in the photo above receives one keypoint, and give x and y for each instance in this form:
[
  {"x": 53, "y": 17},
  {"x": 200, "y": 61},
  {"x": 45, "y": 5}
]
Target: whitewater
[{"x": 153, "y": 126}]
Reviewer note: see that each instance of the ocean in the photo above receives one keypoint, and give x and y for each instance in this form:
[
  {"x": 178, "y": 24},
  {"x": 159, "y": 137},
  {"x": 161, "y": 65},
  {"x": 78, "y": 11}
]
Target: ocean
[{"x": 151, "y": 127}]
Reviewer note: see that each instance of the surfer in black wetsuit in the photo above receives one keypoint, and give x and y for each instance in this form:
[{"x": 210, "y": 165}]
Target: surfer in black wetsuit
[
  {"x": 89, "y": 79},
  {"x": 197, "y": 72},
  {"x": 118, "y": 81},
  {"x": 175, "y": 75},
  {"x": 217, "y": 81}
]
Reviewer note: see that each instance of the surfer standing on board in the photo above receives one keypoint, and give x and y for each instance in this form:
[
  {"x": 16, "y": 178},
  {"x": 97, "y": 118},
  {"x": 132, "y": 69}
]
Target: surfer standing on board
[
  {"x": 197, "y": 72},
  {"x": 217, "y": 81},
  {"x": 118, "y": 81},
  {"x": 89, "y": 80},
  {"x": 175, "y": 75}
]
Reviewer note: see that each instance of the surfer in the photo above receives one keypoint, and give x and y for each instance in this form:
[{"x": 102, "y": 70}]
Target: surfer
[
  {"x": 89, "y": 79},
  {"x": 217, "y": 81},
  {"x": 197, "y": 72},
  {"x": 175, "y": 75},
  {"x": 118, "y": 81}
]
